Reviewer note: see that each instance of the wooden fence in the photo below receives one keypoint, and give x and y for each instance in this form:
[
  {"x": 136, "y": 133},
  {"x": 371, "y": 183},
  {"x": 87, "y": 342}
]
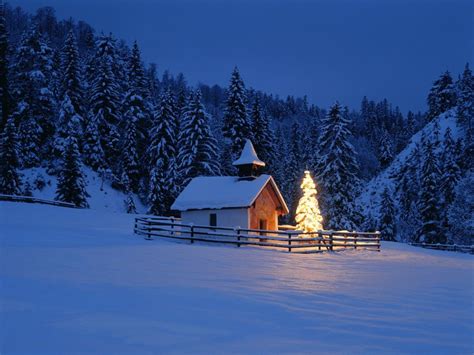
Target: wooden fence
[
  {"x": 28, "y": 199},
  {"x": 448, "y": 247},
  {"x": 288, "y": 240}
]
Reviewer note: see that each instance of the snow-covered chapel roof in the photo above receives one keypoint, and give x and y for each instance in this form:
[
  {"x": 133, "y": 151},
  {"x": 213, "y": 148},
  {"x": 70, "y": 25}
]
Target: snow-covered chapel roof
[
  {"x": 248, "y": 156},
  {"x": 217, "y": 192}
]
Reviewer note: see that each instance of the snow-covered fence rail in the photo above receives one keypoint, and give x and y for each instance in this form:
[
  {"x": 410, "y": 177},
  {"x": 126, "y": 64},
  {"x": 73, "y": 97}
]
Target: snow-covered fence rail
[
  {"x": 29, "y": 199},
  {"x": 448, "y": 247},
  {"x": 289, "y": 240}
]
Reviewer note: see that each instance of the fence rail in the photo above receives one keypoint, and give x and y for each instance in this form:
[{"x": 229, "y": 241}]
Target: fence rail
[
  {"x": 289, "y": 240},
  {"x": 448, "y": 247},
  {"x": 29, "y": 199}
]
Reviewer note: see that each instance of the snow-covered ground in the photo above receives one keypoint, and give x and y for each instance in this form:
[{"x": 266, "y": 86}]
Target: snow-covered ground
[
  {"x": 79, "y": 281},
  {"x": 102, "y": 195}
]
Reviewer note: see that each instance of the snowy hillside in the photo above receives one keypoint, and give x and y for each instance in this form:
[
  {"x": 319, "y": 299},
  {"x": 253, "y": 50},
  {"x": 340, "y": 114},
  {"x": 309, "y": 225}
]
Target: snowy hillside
[
  {"x": 369, "y": 199},
  {"x": 102, "y": 195},
  {"x": 81, "y": 282}
]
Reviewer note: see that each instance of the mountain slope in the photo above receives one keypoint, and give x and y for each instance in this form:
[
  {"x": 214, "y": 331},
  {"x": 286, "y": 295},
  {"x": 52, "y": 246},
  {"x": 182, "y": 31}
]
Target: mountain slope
[{"x": 369, "y": 199}]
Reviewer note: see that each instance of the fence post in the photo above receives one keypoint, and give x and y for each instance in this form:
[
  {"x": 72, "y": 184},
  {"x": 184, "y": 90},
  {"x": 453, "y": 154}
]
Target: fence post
[
  {"x": 320, "y": 237},
  {"x": 331, "y": 240},
  {"x": 172, "y": 226},
  {"x": 378, "y": 240},
  {"x": 148, "y": 236},
  {"x": 192, "y": 234},
  {"x": 238, "y": 236},
  {"x": 355, "y": 240},
  {"x": 135, "y": 226},
  {"x": 289, "y": 242}
]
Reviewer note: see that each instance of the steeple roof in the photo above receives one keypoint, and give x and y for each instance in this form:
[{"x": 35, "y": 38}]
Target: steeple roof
[{"x": 248, "y": 156}]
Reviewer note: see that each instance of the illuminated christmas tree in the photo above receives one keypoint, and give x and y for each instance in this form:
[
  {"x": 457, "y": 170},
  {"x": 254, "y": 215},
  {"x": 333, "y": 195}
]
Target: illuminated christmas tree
[{"x": 308, "y": 216}]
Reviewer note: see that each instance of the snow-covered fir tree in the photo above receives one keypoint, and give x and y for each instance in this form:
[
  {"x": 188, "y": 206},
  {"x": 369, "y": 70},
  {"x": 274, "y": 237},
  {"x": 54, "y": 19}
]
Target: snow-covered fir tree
[
  {"x": 71, "y": 181},
  {"x": 387, "y": 225},
  {"x": 442, "y": 96},
  {"x": 10, "y": 183},
  {"x": 157, "y": 195},
  {"x": 337, "y": 171},
  {"x": 162, "y": 155},
  {"x": 4, "y": 87},
  {"x": 130, "y": 161},
  {"x": 237, "y": 127},
  {"x": 430, "y": 198},
  {"x": 308, "y": 217},
  {"x": 104, "y": 101},
  {"x": 461, "y": 212},
  {"x": 94, "y": 155},
  {"x": 198, "y": 154},
  {"x": 385, "y": 149},
  {"x": 451, "y": 172},
  {"x": 129, "y": 201},
  {"x": 35, "y": 102},
  {"x": 465, "y": 100},
  {"x": 262, "y": 133},
  {"x": 71, "y": 83},
  {"x": 68, "y": 119},
  {"x": 137, "y": 103}
]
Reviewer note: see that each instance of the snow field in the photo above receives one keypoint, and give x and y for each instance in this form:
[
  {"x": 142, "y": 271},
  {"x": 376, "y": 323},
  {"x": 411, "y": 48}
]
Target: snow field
[{"x": 76, "y": 281}]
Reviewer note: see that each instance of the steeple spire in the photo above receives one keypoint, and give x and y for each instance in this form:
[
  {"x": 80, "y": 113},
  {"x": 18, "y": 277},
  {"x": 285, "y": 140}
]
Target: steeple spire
[{"x": 248, "y": 163}]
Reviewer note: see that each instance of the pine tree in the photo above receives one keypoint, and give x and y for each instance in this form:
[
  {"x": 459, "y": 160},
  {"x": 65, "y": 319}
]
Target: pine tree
[
  {"x": 337, "y": 171},
  {"x": 157, "y": 192},
  {"x": 9, "y": 178},
  {"x": 68, "y": 118},
  {"x": 130, "y": 165},
  {"x": 129, "y": 201},
  {"x": 308, "y": 217},
  {"x": 442, "y": 96},
  {"x": 71, "y": 84},
  {"x": 105, "y": 98},
  {"x": 387, "y": 225},
  {"x": 71, "y": 182},
  {"x": 237, "y": 127},
  {"x": 35, "y": 101},
  {"x": 465, "y": 102},
  {"x": 198, "y": 153},
  {"x": 136, "y": 104},
  {"x": 429, "y": 202},
  {"x": 385, "y": 149},
  {"x": 451, "y": 172},
  {"x": 262, "y": 133},
  {"x": 4, "y": 88},
  {"x": 93, "y": 154},
  {"x": 162, "y": 155}
]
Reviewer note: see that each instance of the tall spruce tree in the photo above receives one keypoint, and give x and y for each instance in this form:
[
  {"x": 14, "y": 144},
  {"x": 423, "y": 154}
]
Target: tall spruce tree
[
  {"x": 68, "y": 118},
  {"x": 35, "y": 101},
  {"x": 262, "y": 133},
  {"x": 93, "y": 153},
  {"x": 71, "y": 84},
  {"x": 71, "y": 181},
  {"x": 10, "y": 183},
  {"x": 442, "y": 96},
  {"x": 130, "y": 161},
  {"x": 337, "y": 171},
  {"x": 4, "y": 87},
  {"x": 465, "y": 100},
  {"x": 198, "y": 152},
  {"x": 429, "y": 201},
  {"x": 162, "y": 156},
  {"x": 237, "y": 126},
  {"x": 451, "y": 172},
  {"x": 387, "y": 224},
  {"x": 104, "y": 100}
]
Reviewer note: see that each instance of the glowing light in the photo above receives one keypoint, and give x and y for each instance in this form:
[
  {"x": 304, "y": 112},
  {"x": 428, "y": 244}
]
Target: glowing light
[{"x": 308, "y": 217}]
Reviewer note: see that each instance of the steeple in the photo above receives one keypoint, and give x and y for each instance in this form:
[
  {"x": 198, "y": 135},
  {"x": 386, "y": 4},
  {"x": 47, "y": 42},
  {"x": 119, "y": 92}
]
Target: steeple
[{"x": 248, "y": 163}]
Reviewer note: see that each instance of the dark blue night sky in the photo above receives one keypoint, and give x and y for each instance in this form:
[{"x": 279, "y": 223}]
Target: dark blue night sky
[{"x": 326, "y": 49}]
